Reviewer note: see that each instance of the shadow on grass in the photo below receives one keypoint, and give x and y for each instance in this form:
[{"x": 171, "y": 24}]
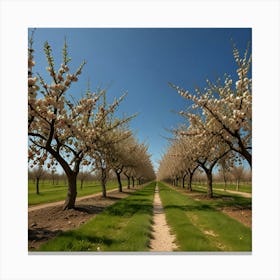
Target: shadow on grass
[
  {"x": 111, "y": 197},
  {"x": 90, "y": 209},
  {"x": 232, "y": 201},
  {"x": 129, "y": 209},
  {"x": 136, "y": 194},
  {"x": 212, "y": 206},
  {"x": 138, "y": 202},
  {"x": 221, "y": 200},
  {"x": 201, "y": 207},
  {"x": 126, "y": 192},
  {"x": 38, "y": 234}
]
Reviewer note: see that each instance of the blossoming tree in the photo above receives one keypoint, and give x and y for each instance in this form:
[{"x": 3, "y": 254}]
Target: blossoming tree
[
  {"x": 219, "y": 122},
  {"x": 227, "y": 106},
  {"x": 62, "y": 130},
  {"x": 123, "y": 158},
  {"x": 109, "y": 154}
]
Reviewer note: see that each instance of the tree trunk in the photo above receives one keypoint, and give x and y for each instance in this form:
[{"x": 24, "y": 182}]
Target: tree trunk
[
  {"x": 82, "y": 182},
  {"x": 245, "y": 153},
  {"x": 119, "y": 181},
  {"x": 103, "y": 181},
  {"x": 128, "y": 181},
  {"x": 209, "y": 182},
  {"x": 183, "y": 180},
  {"x": 190, "y": 181},
  {"x": 71, "y": 174},
  {"x": 237, "y": 185},
  {"x": 37, "y": 185},
  {"x": 72, "y": 192},
  {"x": 133, "y": 183},
  {"x": 225, "y": 181}
]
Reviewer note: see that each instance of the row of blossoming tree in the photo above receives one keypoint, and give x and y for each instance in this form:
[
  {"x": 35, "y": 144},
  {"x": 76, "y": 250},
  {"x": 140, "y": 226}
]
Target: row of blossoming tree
[
  {"x": 218, "y": 127},
  {"x": 73, "y": 133}
]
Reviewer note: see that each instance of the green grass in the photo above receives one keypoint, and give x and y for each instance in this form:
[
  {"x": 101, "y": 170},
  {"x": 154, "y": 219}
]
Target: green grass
[
  {"x": 51, "y": 193},
  {"x": 242, "y": 187},
  {"x": 123, "y": 226},
  {"x": 200, "y": 227}
]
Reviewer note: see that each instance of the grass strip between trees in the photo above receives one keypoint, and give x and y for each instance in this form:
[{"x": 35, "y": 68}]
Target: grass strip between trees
[
  {"x": 52, "y": 193},
  {"x": 230, "y": 199},
  {"x": 247, "y": 188},
  {"x": 198, "y": 226},
  {"x": 123, "y": 226}
]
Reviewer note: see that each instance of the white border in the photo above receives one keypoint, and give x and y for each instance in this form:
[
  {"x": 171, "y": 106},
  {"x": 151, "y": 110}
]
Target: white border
[{"x": 262, "y": 16}]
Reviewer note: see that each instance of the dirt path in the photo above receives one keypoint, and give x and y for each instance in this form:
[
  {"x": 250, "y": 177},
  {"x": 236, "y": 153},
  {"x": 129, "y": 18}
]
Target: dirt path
[
  {"x": 58, "y": 203},
  {"x": 244, "y": 194},
  {"x": 162, "y": 240}
]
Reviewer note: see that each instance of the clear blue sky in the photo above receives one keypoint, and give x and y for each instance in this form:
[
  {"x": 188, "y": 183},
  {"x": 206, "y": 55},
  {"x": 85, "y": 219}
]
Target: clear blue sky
[{"x": 142, "y": 62}]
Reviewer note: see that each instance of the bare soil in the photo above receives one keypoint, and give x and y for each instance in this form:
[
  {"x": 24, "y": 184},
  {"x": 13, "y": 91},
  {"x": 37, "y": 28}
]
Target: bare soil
[
  {"x": 46, "y": 222},
  {"x": 163, "y": 240},
  {"x": 244, "y": 215}
]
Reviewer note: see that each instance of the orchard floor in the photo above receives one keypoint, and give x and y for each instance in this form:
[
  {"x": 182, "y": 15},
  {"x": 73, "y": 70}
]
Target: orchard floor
[
  {"x": 241, "y": 214},
  {"x": 45, "y": 223}
]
